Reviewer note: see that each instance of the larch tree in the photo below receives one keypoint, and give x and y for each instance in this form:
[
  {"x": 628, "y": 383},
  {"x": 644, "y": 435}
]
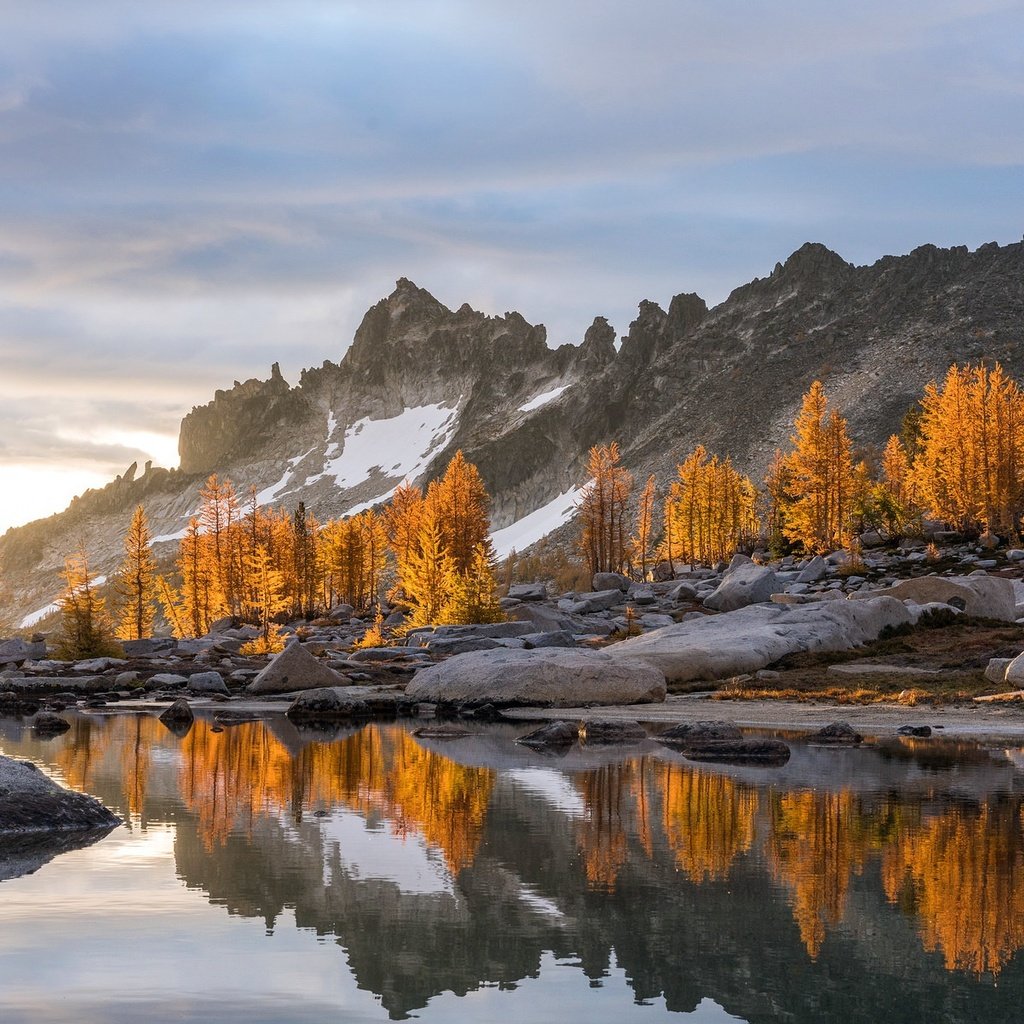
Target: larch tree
[
  {"x": 199, "y": 601},
  {"x": 267, "y": 600},
  {"x": 968, "y": 466},
  {"x": 603, "y": 510},
  {"x": 473, "y": 594},
  {"x": 85, "y": 628},
  {"x": 426, "y": 576},
  {"x": 821, "y": 475},
  {"x": 643, "y": 531},
  {"x": 461, "y": 506},
  {"x": 136, "y": 581}
]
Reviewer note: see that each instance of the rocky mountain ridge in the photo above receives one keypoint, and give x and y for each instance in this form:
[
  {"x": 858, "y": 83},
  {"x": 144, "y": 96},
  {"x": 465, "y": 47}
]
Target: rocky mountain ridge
[{"x": 420, "y": 381}]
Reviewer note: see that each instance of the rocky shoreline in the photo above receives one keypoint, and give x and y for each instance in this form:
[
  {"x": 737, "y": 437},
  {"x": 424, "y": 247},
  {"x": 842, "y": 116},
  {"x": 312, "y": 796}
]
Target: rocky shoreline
[{"x": 702, "y": 626}]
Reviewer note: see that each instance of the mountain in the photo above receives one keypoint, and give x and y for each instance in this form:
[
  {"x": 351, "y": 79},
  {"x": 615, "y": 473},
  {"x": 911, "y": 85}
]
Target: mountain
[{"x": 420, "y": 381}]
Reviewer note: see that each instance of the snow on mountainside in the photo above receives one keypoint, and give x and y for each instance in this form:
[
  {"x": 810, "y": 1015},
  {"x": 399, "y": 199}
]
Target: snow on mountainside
[{"x": 420, "y": 381}]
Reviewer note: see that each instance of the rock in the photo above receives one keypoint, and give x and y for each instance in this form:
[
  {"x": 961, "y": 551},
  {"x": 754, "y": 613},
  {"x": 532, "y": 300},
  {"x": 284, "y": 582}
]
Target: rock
[
  {"x": 179, "y": 713},
  {"x": 873, "y": 539},
  {"x": 610, "y": 581},
  {"x": 295, "y": 669},
  {"x": 995, "y": 670},
  {"x": 38, "y": 685},
  {"x": 166, "y": 680},
  {"x": 545, "y": 618},
  {"x": 682, "y": 592},
  {"x": 596, "y": 601},
  {"x": 149, "y": 647},
  {"x": 1014, "y": 674},
  {"x": 98, "y": 664},
  {"x": 548, "y": 677},
  {"x": 207, "y": 682},
  {"x": 988, "y": 540},
  {"x": 601, "y": 731},
  {"x": 721, "y": 646},
  {"x": 920, "y": 731},
  {"x": 836, "y": 733},
  {"x": 557, "y": 638},
  {"x": 461, "y": 644},
  {"x": 46, "y": 723},
  {"x": 655, "y": 620},
  {"x": 341, "y": 613},
  {"x": 528, "y": 591},
  {"x": 491, "y": 630},
  {"x": 990, "y": 597},
  {"x": 387, "y": 654},
  {"x": 127, "y": 680},
  {"x": 744, "y": 585},
  {"x": 34, "y": 803},
  {"x": 1015, "y": 555},
  {"x": 554, "y": 734},
  {"x": 17, "y": 651},
  {"x": 441, "y": 732},
  {"x": 692, "y": 734},
  {"x": 641, "y": 595},
  {"x": 329, "y": 702},
  {"x": 742, "y": 751}
]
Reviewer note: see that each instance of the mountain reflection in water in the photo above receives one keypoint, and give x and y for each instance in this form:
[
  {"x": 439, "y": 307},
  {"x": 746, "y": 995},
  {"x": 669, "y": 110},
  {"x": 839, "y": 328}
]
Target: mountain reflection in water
[{"x": 850, "y": 885}]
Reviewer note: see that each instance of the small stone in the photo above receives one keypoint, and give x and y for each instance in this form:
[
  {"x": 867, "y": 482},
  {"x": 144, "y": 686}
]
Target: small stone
[
  {"x": 554, "y": 734},
  {"x": 836, "y": 733}
]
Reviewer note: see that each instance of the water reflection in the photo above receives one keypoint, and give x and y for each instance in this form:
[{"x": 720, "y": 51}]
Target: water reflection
[{"x": 858, "y": 880}]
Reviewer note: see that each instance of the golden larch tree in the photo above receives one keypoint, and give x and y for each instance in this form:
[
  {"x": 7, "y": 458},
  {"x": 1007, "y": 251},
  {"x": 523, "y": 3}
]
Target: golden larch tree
[
  {"x": 643, "y": 530},
  {"x": 136, "y": 580},
  {"x": 603, "y": 510},
  {"x": 85, "y": 628},
  {"x": 821, "y": 476}
]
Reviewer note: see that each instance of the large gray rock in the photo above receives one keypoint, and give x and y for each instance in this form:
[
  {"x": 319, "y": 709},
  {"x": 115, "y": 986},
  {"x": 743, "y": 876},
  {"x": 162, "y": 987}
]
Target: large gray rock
[
  {"x": 610, "y": 581},
  {"x": 331, "y": 703},
  {"x": 990, "y": 597},
  {"x": 295, "y": 669},
  {"x": 17, "y": 651},
  {"x": 38, "y": 685},
  {"x": 816, "y": 569},
  {"x": 528, "y": 591},
  {"x": 596, "y": 601},
  {"x": 207, "y": 682},
  {"x": 743, "y": 585},
  {"x": 31, "y": 802},
  {"x": 551, "y": 677},
  {"x": 720, "y": 646}
]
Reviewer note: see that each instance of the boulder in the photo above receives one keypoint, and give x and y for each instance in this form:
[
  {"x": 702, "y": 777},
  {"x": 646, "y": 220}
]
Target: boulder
[
  {"x": 550, "y": 677},
  {"x": 1012, "y": 674},
  {"x": 693, "y": 734},
  {"x": 46, "y": 723},
  {"x": 682, "y": 592},
  {"x": 330, "y": 703},
  {"x": 720, "y": 646},
  {"x": 528, "y": 591},
  {"x": 461, "y": 644},
  {"x": 387, "y": 654},
  {"x": 995, "y": 670},
  {"x": 179, "y": 713},
  {"x": 742, "y": 751},
  {"x": 149, "y": 646},
  {"x": 599, "y": 731},
  {"x": 746, "y": 584},
  {"x": 816, "y": 569},
  {"x": 441, "y": 732},
  {"x": 837, "y": 734},
  {"x": 556, "y": 638},
  {"x": 544, "y": 618},
  {"x": 34, "y": 803},
  {"x": 295, "y": 669},
  {"x": 17, "y": 651},
  {"x": 207, "y": 682},
  {"x": 990, "y": 597},
  {"x": 170, "y": 680},
  {"x": 918, "y": 731},
  {"x": 554, "y": 734},
  {"x": 595, "y": 601},
  {"x": 610, "y": 581}
]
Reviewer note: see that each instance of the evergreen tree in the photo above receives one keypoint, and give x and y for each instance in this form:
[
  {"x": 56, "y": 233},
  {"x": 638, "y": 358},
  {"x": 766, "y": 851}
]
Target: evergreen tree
[
  {"x": 136, "y": 581},
  {"x": 268, "y": 600},
  {"x": 473, "y": 594},
  {"x": 641, "y": 541},
  {"x": 85, "y": 628},
  {"x": 603, "y": 510},
  {"x": 821, "y": 476}
]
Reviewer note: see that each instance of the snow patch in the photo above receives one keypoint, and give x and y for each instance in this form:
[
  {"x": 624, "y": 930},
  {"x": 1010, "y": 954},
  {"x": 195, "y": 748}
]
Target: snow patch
[
  {"x": 364, "y": 505},
  {"x": 552, "y": 786},
  {"x": 539, "y": 523},
  {"x": 385, "y": 853},
  {"x": 411, "y": 438},
  {"x": 37, "y": 616},
  {"x": 548, "y": 396},
  {"x": 180, "y": 535},
  {"x": 268, "y": 494}
]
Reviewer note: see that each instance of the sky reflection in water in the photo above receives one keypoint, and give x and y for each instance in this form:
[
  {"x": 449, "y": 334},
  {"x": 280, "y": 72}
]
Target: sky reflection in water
[{"x": 267, "y": 877}]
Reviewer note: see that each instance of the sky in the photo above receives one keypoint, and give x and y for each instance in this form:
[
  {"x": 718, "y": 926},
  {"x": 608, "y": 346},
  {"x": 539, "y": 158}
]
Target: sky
[{"x": 192, "y": 191}]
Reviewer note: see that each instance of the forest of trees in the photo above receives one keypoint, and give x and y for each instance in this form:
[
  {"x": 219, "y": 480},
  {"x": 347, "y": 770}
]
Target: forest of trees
[{"x": 959, "y": 460}]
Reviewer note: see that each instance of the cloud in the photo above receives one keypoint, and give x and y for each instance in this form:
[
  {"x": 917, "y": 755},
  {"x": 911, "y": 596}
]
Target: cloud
[{"x": 191, "y": 192}]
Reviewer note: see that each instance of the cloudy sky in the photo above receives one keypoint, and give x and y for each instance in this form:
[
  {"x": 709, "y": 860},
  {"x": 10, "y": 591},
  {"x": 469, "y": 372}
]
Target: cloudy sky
[{"x": 190, "y": 191}]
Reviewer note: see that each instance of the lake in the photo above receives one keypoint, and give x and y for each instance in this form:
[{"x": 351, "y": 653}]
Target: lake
[{"x": 264, "y": 874}]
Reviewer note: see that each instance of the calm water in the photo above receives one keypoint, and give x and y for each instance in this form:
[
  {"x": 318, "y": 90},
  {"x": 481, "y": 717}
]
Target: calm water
[{"x": 267, "y": 876}]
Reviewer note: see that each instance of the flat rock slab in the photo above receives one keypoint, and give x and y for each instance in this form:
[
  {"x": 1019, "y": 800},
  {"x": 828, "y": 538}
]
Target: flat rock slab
[
  {"x": 32, "y": 802},
  {"x": 550, "y": 677},
  {"x": 751, "y": 638},
  {"x": 54, "y": 684},
  {"x": 869, "y": 669}
]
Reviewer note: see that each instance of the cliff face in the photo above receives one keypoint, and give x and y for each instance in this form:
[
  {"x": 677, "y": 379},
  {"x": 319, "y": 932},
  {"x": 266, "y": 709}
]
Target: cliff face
[{"x": 420, "y": 381}]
